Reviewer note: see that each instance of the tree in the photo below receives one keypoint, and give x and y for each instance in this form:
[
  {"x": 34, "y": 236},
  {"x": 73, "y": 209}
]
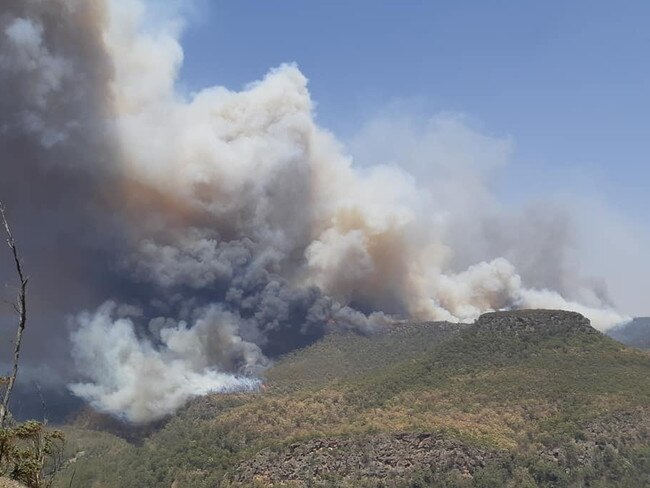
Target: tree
[
  {"x": 29, "y": 449},
  {"x": 20, "y": 306}
]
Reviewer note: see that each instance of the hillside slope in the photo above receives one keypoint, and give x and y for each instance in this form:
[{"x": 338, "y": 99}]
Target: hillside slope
[
  {"x": 533, "y": 398},
  {"x": 634, "y": 334},
  {"x": 340, "y": 356}
]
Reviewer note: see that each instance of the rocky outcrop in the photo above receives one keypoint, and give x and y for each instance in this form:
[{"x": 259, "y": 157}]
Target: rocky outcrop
[
  {"x": 603, "y": 439},
  {"x": 530, "y": 321},
  {"x": 376, "y": 457},
  {"x": 380, "y": 459}
]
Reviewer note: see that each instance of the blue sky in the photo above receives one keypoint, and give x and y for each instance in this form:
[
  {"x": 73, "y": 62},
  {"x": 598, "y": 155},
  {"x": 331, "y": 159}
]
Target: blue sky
[{"x": 569, "y": 82}]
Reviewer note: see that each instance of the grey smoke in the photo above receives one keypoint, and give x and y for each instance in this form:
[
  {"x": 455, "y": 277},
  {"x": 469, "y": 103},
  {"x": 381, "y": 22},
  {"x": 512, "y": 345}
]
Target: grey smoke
[
  {"x": 190, "y": 241},
  {"x": 57, "y": 164}
]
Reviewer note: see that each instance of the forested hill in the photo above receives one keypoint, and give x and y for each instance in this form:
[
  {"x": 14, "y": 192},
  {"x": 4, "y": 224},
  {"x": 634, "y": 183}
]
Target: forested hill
[
  {"x": 519, "y": 399},
  {"x": 635, "y": 333}
]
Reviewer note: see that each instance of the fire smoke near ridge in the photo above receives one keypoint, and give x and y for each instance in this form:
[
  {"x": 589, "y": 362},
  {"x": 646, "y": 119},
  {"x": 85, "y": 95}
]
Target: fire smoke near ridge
[{"x": 206, "y": 235}]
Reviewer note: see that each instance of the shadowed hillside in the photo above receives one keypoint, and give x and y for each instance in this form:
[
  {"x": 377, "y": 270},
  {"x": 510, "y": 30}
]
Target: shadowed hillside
[
  {"x": 520, "y": 399},
  {"x": 341, "y": 356},
  {"x": 635, "y": 333}
]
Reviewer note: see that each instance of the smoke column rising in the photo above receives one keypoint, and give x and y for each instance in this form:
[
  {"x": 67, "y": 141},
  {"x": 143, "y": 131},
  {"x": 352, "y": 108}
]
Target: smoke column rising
[{"x": 225, "y": 228}]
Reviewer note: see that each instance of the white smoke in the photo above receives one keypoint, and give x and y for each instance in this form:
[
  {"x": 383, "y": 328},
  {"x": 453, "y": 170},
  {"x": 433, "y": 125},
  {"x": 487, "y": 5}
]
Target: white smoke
[
  {"x": 140, "y": 381},
  {"x": 256, "y": 167},
  {"x": 250, "y": 230},
  {"x": 25, "y": 52}
]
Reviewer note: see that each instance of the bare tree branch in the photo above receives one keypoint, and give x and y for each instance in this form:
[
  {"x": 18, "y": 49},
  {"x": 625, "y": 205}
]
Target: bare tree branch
[
  {"x": 21, "y": 309},
  {"x": 72, "y": 477},
  {"x": 10, "y": 303},
  {"x": 43, "y": 404}
]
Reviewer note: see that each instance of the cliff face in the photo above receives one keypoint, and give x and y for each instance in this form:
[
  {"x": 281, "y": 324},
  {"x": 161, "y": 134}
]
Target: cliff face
[
  {"x": 404, "y": 459},
  {"x": 383, "y": 458},
  {"x": 536, "y": 321}
]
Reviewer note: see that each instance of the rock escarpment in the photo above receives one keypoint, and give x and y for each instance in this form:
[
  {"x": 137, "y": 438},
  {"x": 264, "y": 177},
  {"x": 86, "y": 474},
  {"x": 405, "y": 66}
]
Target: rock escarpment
[
  {"x": 536, "y": 321},
  {"x": 376, "y": 457}
]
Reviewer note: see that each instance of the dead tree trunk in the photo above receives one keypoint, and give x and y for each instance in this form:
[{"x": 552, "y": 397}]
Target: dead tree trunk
[{"x": 20, "y": 306}]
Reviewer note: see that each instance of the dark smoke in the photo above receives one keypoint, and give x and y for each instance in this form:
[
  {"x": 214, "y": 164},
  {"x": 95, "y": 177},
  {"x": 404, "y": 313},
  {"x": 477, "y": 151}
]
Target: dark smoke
[{"x": 180, "y": 245}]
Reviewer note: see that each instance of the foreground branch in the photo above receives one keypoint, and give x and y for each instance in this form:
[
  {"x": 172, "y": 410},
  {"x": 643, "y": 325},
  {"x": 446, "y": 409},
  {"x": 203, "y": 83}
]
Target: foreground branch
[{"x": 21, "y": 310}]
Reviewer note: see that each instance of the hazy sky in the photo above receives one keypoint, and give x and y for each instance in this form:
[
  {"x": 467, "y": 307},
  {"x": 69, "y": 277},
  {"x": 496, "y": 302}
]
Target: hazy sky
[{"x": 569, "y": 82}]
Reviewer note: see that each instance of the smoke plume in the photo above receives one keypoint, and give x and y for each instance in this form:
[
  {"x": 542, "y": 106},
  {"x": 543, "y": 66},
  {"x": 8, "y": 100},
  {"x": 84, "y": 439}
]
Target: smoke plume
[{"x": 189, "y": 240}]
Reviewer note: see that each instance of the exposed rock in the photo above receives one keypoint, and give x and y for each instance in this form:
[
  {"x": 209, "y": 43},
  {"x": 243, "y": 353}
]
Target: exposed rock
[
  {"x": 603, "y": 439},
  {"x": 377, "y": 457},
  {"x": 620, "y": 427},
  {"x": 546, "y": 321}
]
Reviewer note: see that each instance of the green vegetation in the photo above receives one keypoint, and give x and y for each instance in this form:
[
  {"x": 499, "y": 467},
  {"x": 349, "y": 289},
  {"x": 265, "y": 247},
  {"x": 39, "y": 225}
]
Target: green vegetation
[
  {"x": 341, "y": 356},
  {"x": 30, "y": 453},
  {"x": 554, "y": 405}
]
